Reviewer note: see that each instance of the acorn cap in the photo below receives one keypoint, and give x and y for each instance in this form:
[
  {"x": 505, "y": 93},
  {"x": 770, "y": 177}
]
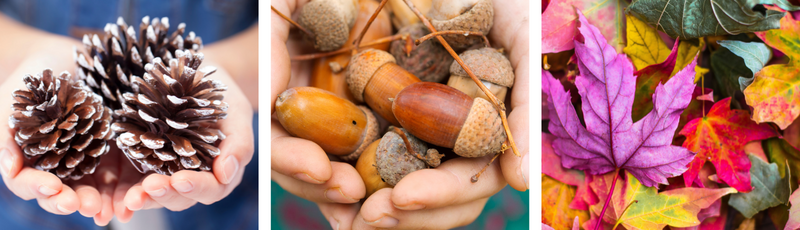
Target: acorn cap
[
  {"x": 329, "y": 21},
  {"x": 393, "y": 160},
  {"x": 479, "y": 18},
  {"x": 482, "y": 132},
  {"x": 362, "y": 67},
  {"x": 370, "y": 135},
  {"x": 487, "y": 64}
]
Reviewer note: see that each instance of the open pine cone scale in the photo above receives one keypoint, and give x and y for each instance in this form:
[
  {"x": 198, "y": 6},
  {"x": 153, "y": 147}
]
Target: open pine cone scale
[
  {"x": 168, "y": 123},
  {"x": 62, "y": 125}
]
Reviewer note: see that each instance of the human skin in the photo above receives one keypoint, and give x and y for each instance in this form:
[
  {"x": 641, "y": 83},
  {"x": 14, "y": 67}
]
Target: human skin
[
  {"x": 441, "y": 197},
  {"x": 116, "y": 188}
]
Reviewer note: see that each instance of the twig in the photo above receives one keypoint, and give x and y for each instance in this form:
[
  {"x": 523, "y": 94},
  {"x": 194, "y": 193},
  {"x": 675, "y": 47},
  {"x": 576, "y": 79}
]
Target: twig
[
  {"x": 497, "y": 103},
  {"x": 460, "y": 32},
  {"x": 364, "y": 31},
  {"x": 474, "y": 178},
  {"x": 293, "y": 22},
  {"x": 345, "y": 49}
]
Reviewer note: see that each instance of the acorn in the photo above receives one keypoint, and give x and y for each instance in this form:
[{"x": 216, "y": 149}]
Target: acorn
[
  {"x": 374, "y": 77},
  {"x": 466, "y": 15},
  {"x": 337, "y": 125},
  {"x": 444, "y": 116},
  {"x": 489, "y": 65},
  {"x": 402, "y": 16},
  {"x": 330, "y": 22},
  {"x": 429, "y": 60},
  {"x": 324, "y": 76},
  {"x": 386, "y": 161}
]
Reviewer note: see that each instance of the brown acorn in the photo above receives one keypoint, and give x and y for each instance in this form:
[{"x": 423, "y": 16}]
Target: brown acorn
[
  {"x": 168, "y": 123},
  {"x": 367, "y": 170},
  {"x": 374, "y": 78},
  {"x": 487, "y": 64},
  {"x": 394, "y": 161},
  {"x": 61, "y": 125},
  {"x": 337, "y": 125},
  {"x": 330, "y": 22},
  {"x": 465, "y": 15},
  {"x": 108, "y": 65},
  {"x": 429, "y": 60},
  {"x": 443, "y": 116}
]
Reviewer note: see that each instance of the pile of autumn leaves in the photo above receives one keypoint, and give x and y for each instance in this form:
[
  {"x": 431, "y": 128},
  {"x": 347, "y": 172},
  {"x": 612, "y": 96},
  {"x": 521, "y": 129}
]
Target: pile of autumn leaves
[{"x": 643, "y": 122}]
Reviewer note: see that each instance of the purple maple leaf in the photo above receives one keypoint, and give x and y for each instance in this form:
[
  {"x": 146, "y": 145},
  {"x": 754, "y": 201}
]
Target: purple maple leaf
[{"x": 610, "y": 139}]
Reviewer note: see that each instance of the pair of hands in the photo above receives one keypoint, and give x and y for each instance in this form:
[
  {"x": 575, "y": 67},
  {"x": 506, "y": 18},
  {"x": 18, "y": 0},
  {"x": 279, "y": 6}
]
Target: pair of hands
[
  {"x": 117, "y": 188},
  {"x": 438, "y": 198}
]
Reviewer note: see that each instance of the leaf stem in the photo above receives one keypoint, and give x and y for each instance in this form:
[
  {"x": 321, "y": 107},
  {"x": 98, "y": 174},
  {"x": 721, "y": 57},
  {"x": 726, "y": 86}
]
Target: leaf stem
[
  {"x": 364, "y": 31},
  {"x": 293, "y": 22},
  {"x": 345, "y": 49},
  {"x": 608, "y": 199}
]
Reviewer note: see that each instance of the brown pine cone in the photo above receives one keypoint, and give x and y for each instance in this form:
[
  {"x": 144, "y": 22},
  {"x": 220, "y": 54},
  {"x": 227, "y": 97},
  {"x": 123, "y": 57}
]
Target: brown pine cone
[
  {"x": 107, "y": 65},
  {"x": 166, "y": 124},
  {"x": 61, "y": 125}
]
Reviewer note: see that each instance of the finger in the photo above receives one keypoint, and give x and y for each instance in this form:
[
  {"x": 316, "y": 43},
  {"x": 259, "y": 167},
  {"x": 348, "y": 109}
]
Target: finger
[
  {"x": 137, "y": 199},
  {"x": 378, "y": 211},
  {"x": 237, "y": 149},
  {"x": 515, "y": 168},
  {"x": 299, "y": 158},
  {"x": 345, "y": 186},
  {"x": 26, "y": 182},
  {"x": 88, "y": 195},
  {"x": 340, "y": 216},
  {"x": 64, "y": 203},
  {"x": 159, "y": 189},
  {"x": 200, "y": 186},
  {"x": 106, "y": 178},
  {"x": 128, "y": 177},
  {"x": 448, "y": 184}
]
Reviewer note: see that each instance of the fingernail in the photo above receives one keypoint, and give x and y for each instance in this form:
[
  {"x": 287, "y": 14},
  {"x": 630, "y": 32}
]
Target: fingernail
[
  {"x": 307, "y": 178},
  {"x": 183, "y": 186},
  {"x": 230, "y": 168},
  {"x": 411, "y": 207},
  {"x": 334, "y": 224},
  {"x": 157, "y": 193},
  {"x": 523, "y": 167},
  {"x": 62, "y": 209},
  {"x": 47, "y": 191},
  {"x": 5, "y": 162},
  {"x": 336, "y": 195},
  {"x": 384, "y": 222}
]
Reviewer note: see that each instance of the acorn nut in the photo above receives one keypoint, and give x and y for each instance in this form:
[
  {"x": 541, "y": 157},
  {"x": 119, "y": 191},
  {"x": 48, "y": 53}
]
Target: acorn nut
[
  {"x": 337, "y": 125},
  {"x": 487, "y": 64},
  {"x": 330, "y": 22},
  {"x": 374, "y": 78}
]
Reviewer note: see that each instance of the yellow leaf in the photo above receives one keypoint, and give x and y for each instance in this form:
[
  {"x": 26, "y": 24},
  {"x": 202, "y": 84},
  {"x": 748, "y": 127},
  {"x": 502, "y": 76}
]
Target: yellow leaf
[
  {"x": 644, "y": 47},
  {"x": 556, "y": 197}
]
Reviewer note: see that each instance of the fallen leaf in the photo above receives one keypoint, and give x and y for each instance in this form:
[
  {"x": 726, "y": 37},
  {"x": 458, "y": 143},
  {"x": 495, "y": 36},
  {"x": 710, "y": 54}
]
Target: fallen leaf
[
  {"x": 779, "y": 151},
  {"x": 754, "y": 54},
  {"x": 644, "y": 47},
  {"x": 773, "y": 91},
  {"x": 720, "y": 137},
  {"x": 560, "y": 22},
  {"x": 747, "y": 224},
  {"x": 556, "y": 197},
  {"x": 649, "y": 209},
  {"x": 689, "y": 19},
  {"x": 794, "y": 211},
  {"x": 769, "y": 189},
  {"x": 727, "y": 68},
  {"x": 551, "y": 164},
  {"x": 699, "y": 107},
  {"x": 610, "y": 139}
]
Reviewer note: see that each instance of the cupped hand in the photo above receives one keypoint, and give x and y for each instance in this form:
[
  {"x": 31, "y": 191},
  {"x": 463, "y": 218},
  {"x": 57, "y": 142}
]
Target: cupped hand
[{"x": 186, "y": 188}]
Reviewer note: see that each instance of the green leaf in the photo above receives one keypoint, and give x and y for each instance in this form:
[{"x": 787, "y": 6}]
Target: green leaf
[
  {"x": 727, "y": 68},
  {"x": 783, "y": 4},
  {"x": 754, "y": 54},
  {"x": 699, "y": 18},
  {"x": 779, "y": 151},
  {"x": 769, "y": 189}
]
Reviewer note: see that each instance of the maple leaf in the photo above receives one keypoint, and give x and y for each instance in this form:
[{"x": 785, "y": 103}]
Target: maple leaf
[
  {"x": 636, "y": 206},
  {"x": 551, "y": 164},
  {"x": 556, "y": 197},
  {"x": 773, "y": 93},
  {"x": 560, "y": 22},
  {"x": 794, "y": 211},
  {"x": 770, "y": 189},
  {"x": 720, "y": 137},
  {"x": 699, "y": 18},
  {"x": 646, "y": 48},
  {"x": 610, "y": 139}
]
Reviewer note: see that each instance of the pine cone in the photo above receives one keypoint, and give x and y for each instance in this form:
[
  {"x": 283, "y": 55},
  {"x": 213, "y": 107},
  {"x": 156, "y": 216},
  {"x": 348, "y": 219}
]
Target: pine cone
[
  {"x": 166, "y": 124},
  {"x": 62, "y": 126},
  {"x": 108, "y": 65}
]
